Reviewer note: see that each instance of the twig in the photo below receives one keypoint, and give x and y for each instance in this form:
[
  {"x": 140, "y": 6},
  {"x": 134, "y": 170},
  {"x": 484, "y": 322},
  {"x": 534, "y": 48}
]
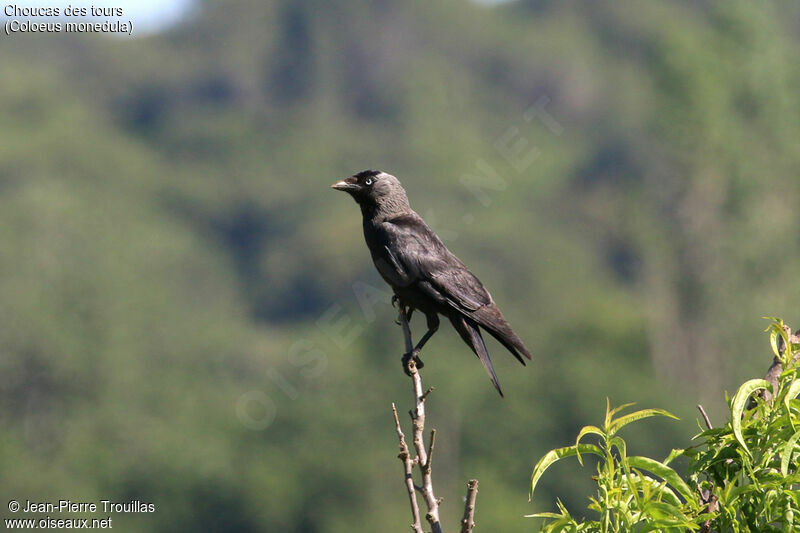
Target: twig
[
  {"x": 705, "y": 416},
  {"x": 431, "y": 444},
  {"x": 708, "y": 498},
  {"x": 468, "y": 522},
  {"x": 425, "y": 394},
  {"x": 408, "y": 466},
  {"x": 423, "y": 458}
]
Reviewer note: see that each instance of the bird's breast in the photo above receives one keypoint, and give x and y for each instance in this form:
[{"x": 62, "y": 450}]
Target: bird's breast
[{"x": 388, "y": 266}]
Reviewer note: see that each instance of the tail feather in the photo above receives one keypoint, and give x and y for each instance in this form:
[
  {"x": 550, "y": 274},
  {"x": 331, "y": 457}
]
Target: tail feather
[
  {"x": 469, "y": 331},
  {"x": 491, "y": 319}
]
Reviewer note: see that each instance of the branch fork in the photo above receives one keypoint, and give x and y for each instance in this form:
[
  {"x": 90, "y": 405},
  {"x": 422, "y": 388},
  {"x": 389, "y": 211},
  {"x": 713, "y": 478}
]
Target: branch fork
[{"x": 423, "y": 457}]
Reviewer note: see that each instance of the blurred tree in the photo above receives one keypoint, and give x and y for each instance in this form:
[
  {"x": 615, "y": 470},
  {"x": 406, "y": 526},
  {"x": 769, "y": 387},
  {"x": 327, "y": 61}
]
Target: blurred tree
[{"x": 170, "y": 250}]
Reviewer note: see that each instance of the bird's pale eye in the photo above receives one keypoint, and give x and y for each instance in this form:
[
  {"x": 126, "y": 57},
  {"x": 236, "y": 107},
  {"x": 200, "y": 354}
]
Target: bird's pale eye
[{"x": 368, "y": 181}]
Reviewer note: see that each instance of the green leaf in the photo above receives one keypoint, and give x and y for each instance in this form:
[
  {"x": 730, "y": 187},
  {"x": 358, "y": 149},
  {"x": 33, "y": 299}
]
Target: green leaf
[
  {"x": 638, "y": 481},
  {"x": 620, "y": 445},
  {"x": 638, "y": 415},
  {"x": 740, "y": 401},
  {"x": 740, "y": 490},
  {"x": 586, "y": 430},
  {"x": 635, "y": 485},
  {"x": 559, "y": 453},
  {"x": 775, "y": 329},
  {"x": 663, "y": 525},
  {"x": 543, "y": 515},
  {"x": 786, "y": 456},
  {"x": 611, "y": 412},
  {"x": 773, "y": 341},
  {"x": 791, "y": 394},
  {"x": 676, "y": 452},
  {"x": 664, "y": 511},
  {"x": 664, "y": 472}
]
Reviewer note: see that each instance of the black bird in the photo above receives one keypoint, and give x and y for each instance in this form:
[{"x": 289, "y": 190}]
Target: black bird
[{"x": 423, "y": 273}]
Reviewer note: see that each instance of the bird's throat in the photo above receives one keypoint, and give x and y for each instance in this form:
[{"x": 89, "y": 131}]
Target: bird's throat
[{"x": 386, "y": 209}]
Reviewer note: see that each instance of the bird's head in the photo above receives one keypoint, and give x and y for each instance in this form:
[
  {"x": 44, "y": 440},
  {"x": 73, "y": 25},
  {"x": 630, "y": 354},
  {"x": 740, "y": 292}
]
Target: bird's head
[{"x": 375, "y": 191}]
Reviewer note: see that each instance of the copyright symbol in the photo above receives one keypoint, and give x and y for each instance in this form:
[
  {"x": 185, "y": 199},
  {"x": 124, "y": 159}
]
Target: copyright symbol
[{"x": 13, "y": 506}]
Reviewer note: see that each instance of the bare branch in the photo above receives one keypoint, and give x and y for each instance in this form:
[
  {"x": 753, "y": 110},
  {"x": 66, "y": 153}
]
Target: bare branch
[
  {"x": 709, "y": 499},
  {"x": 425, "y": 394},
  {"x": 468, "y": 522},
  {"x": 418, "y": 425},
  {"x": 705, "y": 416},
  {"x": 405, "y": 457},
  {"x": 431, "y": 444},
  {"x": 424, "y": 457}
]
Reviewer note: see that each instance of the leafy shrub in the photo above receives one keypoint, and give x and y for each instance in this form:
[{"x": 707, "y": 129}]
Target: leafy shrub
[{"x": 745, "y": 474}]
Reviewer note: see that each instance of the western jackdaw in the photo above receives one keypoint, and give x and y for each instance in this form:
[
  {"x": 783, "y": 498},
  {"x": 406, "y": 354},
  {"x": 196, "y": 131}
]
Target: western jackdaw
[{"x": 423, "y": 273}]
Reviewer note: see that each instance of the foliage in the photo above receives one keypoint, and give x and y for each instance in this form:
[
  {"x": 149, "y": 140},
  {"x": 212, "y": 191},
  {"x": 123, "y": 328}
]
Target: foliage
[
  {"x": 746, "y": 473},
  {"x": 751, "y": 464},
  {"x": 630, "y": 497}
]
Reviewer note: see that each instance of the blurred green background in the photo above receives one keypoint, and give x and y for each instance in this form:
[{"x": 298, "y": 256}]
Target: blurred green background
[{"x": 189, "y": 315}]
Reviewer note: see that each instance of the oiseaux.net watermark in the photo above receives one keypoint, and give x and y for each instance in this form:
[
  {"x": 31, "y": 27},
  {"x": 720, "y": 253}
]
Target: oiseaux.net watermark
[{"x": 30, "y": 512}]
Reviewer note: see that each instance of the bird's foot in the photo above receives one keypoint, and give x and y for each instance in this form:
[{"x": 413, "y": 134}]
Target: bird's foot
[
  {"x": 409, "y": 358},
  {"x": 394, "y": 300}
]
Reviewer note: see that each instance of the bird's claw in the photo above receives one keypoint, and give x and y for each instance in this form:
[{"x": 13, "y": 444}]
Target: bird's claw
[
  {"x": 409, "y": 358},
  {"x": 394, "y": 300}
]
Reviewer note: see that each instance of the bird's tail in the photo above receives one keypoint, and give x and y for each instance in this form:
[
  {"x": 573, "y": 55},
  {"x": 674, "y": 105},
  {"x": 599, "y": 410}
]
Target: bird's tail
[
  {"x": 468, "y": 329},
  {"x": 491, "y": 319}
]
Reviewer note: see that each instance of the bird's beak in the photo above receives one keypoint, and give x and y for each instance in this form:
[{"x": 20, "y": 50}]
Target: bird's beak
[{"x": 345, "y": 185}]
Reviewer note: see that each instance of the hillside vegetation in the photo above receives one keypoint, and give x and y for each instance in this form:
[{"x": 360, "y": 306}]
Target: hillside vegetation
[{"x": 189, "y": 315}]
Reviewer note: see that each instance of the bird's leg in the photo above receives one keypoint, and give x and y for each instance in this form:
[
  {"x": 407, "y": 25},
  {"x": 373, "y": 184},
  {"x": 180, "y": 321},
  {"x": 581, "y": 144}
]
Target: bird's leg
[
  {"x": 408, "y": 311},
  {"x": 403, "y": 321},
  {"x": 433, "y": 326}
]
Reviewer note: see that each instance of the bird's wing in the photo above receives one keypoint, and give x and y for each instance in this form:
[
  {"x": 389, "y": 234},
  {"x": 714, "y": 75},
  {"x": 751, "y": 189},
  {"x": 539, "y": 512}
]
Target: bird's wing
[
  {"x": 425, "y": 260},
  {"x": 422, "y": 256}
]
